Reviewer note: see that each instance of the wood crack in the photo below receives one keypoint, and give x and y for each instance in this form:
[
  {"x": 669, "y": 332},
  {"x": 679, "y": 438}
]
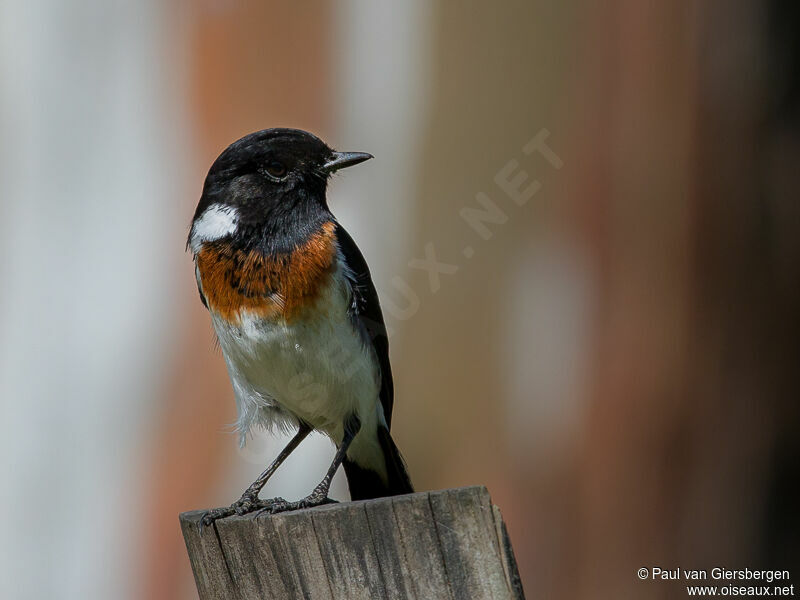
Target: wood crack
[{"x": 224, "y": 555}]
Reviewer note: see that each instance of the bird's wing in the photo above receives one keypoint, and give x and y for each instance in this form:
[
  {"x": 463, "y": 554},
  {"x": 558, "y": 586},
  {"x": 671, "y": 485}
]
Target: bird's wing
[
  {"x": 365, "y": 311},
  {"x": 200, "y": 287}
]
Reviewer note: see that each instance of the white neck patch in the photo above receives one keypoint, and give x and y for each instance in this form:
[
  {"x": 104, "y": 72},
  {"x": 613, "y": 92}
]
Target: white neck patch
[{"x": 216, "y": 222}]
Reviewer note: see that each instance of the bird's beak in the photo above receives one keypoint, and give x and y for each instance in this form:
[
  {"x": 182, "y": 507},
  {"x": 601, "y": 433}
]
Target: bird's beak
[{"x": 340, "y": 160}]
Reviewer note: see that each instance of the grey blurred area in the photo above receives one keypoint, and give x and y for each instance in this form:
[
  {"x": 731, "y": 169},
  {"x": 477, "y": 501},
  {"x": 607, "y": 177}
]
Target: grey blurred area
[
  {"x": 91, "y": 163},
  {"x": 582, "y": 221}
]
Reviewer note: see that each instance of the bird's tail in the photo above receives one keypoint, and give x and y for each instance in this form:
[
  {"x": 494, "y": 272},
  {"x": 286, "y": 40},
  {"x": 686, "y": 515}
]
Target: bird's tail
[{"x": 366, "y": 484}]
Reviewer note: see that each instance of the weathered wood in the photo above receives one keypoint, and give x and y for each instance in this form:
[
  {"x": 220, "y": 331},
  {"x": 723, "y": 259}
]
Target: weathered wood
[{"x": 449, "y": 544}]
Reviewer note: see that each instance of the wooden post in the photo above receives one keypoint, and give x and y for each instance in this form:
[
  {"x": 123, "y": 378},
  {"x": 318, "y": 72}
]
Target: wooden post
[{"x": 448, "y": 544}]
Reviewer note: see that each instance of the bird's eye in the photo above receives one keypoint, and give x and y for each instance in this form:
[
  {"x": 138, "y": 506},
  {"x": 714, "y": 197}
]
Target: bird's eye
[{"x": 275, "y": 169}]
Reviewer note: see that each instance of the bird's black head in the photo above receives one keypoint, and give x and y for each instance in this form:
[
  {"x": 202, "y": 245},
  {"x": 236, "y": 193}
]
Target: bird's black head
[{"x": 274, "y": 182}]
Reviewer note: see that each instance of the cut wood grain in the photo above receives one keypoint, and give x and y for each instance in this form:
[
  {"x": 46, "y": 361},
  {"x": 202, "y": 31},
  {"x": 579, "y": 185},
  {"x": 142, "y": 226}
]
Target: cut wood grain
[{"x": 449, "y": 544}]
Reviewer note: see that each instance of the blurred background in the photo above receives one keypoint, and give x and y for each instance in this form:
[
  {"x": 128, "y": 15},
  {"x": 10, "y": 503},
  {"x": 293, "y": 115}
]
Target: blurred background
[{"x": 609, "y": 339}]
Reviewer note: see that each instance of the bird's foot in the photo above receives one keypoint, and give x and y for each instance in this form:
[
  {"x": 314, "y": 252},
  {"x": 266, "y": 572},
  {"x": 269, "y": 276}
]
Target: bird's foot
[
  {"x": 316, "y": 498},
  {"x": 246, "y": 504}
]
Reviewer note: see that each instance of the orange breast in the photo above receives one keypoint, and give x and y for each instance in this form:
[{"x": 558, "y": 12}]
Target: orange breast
[{"x": 278, "y": 286}]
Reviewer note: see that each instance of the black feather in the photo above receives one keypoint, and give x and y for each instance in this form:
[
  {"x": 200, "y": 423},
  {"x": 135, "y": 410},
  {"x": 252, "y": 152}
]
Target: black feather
[{"x": 366, "y": 484}]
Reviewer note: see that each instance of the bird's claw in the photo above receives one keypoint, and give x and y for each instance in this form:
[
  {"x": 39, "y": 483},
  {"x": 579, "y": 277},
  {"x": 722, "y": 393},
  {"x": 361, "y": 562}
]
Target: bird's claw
[
  {"x": 244, "y": 505},
  {"x": 249, "y": 503},
  {"x": 279, "y": 505}
]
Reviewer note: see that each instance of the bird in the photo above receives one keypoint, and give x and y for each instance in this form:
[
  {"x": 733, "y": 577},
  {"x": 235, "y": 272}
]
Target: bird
[{"x": 296, "y": 314}]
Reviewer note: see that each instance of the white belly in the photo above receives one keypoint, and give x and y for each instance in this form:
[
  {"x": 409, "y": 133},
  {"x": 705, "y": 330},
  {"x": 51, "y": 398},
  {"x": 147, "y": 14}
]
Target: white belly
[{"x": 314, "y": 367}]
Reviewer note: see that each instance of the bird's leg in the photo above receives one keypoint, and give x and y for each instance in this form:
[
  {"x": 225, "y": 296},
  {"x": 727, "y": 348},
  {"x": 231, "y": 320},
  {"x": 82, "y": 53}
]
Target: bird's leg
[
  {"x": 250, "y": 500},
  {"x": 320, "y": 494},
  {"x": 251, "y": 493}
]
